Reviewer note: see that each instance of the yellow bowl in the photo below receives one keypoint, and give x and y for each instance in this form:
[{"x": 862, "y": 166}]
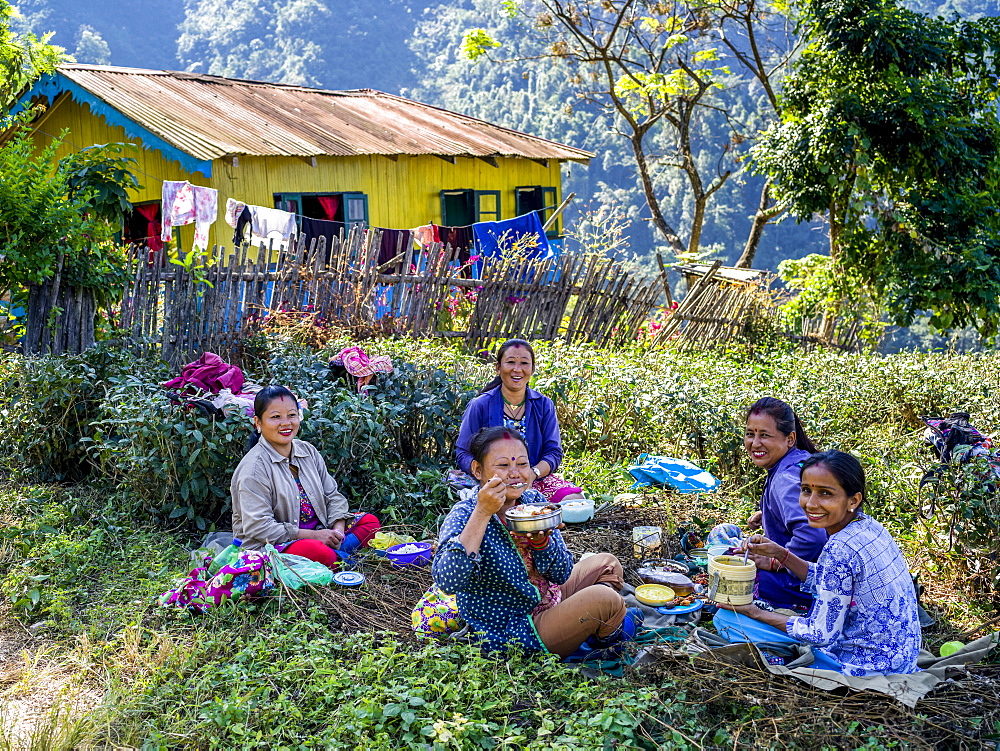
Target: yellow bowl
[{"x": 654, "y": 595}]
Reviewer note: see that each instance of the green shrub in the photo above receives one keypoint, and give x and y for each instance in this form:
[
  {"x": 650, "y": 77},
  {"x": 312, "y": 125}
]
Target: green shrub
[
  {"x": 176, "y": 460},
  {"x": 48, "y": 405}
]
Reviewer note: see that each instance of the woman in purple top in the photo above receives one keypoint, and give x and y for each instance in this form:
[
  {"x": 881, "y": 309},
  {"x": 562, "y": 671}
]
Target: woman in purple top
[
  {"x": 777, "y": 443},
  {"x": 507, "y": 401}
]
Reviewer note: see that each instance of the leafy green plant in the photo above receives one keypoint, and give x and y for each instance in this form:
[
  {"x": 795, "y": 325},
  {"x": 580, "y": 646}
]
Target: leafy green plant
[
  {"x": 176, "y": 459},
  {"x": 49, "y": 404}
]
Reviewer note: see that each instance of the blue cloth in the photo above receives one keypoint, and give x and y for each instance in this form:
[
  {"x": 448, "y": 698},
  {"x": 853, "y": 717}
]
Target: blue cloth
[
  {"x": 494, "y": 594},
  {"x": 865, "y": 612},
  {"x": 541, "y": 428},
  {"x": 735, "y": 628},
  {"x": 679, "y": 474},
  {"x": 785, "y": 523},
  {"x": 493, "y": 238}
]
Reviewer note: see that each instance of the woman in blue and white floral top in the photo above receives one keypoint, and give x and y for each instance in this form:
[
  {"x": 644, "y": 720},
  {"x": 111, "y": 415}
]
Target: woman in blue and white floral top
[{"x": 863, "y": 619}]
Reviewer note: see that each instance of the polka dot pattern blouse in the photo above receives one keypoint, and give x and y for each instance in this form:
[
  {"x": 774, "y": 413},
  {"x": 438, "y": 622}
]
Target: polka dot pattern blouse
[{"x": 495, "y": 596}]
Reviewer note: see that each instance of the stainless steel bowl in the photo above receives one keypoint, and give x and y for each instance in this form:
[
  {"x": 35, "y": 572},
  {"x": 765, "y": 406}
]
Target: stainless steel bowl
[{"x": 538, "y": 523}]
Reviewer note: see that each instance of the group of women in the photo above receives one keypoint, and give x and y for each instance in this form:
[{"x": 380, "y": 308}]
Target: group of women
[{"x": 828, "y": 575}]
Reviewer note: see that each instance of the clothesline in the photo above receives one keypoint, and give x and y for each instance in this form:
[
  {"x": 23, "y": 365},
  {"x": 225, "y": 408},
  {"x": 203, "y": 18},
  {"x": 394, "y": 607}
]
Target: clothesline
[{"x": 184, "y": 203}]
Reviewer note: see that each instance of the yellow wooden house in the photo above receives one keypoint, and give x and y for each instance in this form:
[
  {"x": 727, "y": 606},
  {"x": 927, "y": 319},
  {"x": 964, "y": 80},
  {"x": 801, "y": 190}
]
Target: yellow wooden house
[{"x": 348, "y": 156}]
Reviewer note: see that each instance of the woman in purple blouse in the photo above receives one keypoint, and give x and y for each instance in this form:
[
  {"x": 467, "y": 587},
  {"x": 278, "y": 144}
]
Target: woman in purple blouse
[
  {"x": 778, "y": 444},
  {"x": 507, "y": 401}
]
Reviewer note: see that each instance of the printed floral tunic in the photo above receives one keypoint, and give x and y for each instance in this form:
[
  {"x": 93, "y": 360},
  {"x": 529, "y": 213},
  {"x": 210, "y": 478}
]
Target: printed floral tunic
[
  {"x": 865, "y": 611},
  {"x": 494, "y": 592}
]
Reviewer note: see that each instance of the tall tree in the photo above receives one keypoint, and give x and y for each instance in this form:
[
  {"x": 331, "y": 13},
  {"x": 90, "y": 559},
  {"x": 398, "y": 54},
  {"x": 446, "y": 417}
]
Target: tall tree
[
  {"x": 23, "y": 57},
  {"x": 889, "y": 129},
  {"x": 658, "y": 68}
]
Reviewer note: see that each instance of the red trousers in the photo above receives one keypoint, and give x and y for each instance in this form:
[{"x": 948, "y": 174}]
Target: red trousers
[{"x": 364, "y": 529}]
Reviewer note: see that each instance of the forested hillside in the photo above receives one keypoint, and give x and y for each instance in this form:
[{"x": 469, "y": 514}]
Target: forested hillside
[{"x": 413, "y": 47}]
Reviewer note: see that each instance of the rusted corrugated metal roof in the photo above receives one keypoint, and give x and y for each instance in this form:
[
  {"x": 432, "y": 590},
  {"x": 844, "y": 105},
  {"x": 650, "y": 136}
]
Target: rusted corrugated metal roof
[{"x": 209, "y": 117}]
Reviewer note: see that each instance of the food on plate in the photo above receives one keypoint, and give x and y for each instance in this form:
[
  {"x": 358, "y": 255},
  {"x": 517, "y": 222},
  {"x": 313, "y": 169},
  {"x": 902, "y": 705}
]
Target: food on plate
[
  {"x": 411, "y": 548},
  {"x": 523, "y": 512}
]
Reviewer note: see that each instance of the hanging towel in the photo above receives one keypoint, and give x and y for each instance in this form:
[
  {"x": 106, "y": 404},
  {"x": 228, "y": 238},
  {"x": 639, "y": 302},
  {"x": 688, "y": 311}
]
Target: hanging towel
[
  {"x": 457, "y": 237},
  {"x": 394, "y": 242},
  {"x": 426, "y": 235},
  {"x": 233, "y": 211},
  {"x": 494, "y": 238},
  {"x": 266, "y": 222},
  {"x": 184, "y": 203},
  {"x": 321, "y": 228}
]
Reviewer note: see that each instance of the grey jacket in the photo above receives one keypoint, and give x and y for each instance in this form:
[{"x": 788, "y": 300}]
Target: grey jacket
[{"x": 266, "y": 499}]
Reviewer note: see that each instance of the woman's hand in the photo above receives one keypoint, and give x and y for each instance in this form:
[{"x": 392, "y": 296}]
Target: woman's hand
[
  {"x": 763, "y": 552},
  {"x": 492, "y": 496},
  {"x": 537, "y": 537},
  {"x": 755, "y": 519},
  {"x": 329, "y": 537}
]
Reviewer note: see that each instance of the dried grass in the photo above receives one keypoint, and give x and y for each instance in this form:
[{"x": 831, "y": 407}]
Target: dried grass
[{"x": 760, "y": 709}]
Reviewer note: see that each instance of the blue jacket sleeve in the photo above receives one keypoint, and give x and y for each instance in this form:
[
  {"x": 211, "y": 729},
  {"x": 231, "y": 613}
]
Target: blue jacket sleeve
[
  {"x": 551, "y": 446},
  {"x": 475, "y": 418},
  {"x": 452, "y": 568},
  {"x": 554, "y": 561},
  {"x": 806, "y": 542}
]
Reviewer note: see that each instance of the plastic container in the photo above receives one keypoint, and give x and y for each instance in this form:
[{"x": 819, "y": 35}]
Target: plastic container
[
  {"x": 654, "y": 595},
  {"x": 227, "y": 556},
  {"x": 538, "y": 522},
  {"x": 577, "y": 510},
  {"x": 717, "y": 550},
  {"x": 730, "y": 581},
  {"x": 417, "y": 558},
  {"x": 646, "y": 541}
]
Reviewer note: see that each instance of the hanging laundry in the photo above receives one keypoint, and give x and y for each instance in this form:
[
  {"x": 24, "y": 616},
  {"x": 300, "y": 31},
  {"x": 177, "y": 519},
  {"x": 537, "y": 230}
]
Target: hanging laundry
[
  {"x": 426, "y": 235},
  {"x": 317, "y": 228},
  {"x": 457, "y": 237},
  {"x": 242, "y": 222},
  {"x": 495, "y": 238},
  {"x": 266, "y": 222},
  {"x": 184, "y": 203},
  {"x": 394, "y": 242},
  {"x": 233, "y": 210}
]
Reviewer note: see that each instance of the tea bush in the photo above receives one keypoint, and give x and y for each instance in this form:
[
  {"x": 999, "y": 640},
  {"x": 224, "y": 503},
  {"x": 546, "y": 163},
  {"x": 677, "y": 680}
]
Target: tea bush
[
  {"x": 176, "y": 460},
  {"x": 48, "y": 406}
]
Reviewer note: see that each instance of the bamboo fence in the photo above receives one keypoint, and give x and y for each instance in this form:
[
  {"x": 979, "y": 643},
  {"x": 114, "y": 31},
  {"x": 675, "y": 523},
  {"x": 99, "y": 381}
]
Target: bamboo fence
[
  {"x": 723, "y": 305},
  {"x": 429, "y": 293}
]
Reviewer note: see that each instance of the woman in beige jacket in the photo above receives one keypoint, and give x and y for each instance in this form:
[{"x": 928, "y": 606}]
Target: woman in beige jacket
[{"x": 284, "y": 495}]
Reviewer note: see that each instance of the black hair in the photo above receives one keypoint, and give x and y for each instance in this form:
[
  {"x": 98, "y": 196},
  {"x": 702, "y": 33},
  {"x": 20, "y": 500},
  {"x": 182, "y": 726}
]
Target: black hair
[
  {"x": 262, "y": 401},
  {"x": 784, "y": 418},
  {"x": 500, "y": 353},
  {"x": 844, "y": 467},
  {"x": 486, "y": 437}
]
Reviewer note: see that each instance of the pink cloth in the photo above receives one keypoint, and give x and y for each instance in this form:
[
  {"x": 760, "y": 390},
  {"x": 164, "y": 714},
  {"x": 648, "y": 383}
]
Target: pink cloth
[
  {"x": 233, "y": 210},
  {"x": 184, "y": 203},
  {"x": 554, "y": 488},
  {"x": 359, "y": 365},
  {"x": 209, "y": 373},
  {"x": 426, "y": 235}
]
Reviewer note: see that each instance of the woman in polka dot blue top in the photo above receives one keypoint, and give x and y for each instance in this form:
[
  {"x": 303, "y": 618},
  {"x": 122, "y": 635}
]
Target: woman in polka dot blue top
[{"x": 523, "y": 588}]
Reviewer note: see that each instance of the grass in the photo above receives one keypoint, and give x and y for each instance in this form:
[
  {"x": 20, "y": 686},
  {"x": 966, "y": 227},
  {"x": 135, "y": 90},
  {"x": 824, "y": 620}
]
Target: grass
[{"x": 81, "y": 565}]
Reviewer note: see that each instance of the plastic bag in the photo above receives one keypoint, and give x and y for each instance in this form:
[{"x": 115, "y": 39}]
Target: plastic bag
[{"x": 295, "y": 572}]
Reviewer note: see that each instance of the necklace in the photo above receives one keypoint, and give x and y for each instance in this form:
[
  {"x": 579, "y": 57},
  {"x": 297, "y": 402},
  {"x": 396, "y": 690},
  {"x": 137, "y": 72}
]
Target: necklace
[{"x": 511, "y": 404}]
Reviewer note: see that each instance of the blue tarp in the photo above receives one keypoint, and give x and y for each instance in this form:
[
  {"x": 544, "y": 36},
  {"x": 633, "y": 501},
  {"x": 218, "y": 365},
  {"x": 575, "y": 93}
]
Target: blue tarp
[{"x": 679, "y": 474}]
